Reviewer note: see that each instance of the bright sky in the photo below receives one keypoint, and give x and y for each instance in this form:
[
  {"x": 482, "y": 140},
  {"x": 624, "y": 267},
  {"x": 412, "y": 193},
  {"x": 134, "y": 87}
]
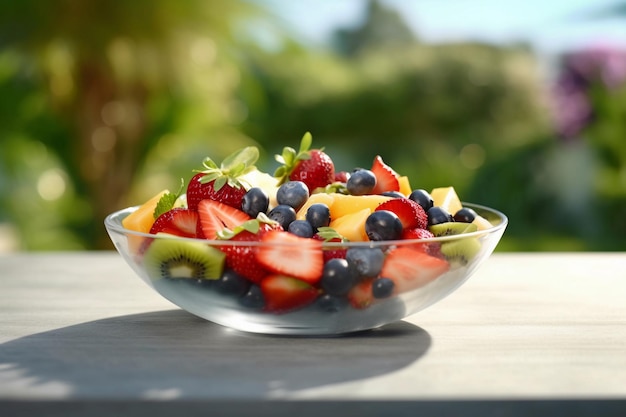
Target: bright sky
[{"x": 549, "y": 25}]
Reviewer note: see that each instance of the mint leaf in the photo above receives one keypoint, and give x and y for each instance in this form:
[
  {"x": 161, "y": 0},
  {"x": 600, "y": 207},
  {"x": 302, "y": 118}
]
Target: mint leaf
[{"x": 167, "y": 200}]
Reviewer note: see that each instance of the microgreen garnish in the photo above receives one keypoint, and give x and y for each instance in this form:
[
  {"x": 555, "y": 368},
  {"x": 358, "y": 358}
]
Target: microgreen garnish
[
  {"x": 252, "y": 226},
  {"x": 328, "y": 234},
  {"x": 336, "y": 187}
]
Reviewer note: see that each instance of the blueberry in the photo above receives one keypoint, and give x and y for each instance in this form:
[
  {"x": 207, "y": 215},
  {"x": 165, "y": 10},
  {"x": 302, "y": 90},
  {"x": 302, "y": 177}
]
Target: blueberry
[
  {"x": 283, "y": 214},
  {"x": 383, "y": 225},
  {"x": 301, "y": 228},
  {"x": 382, "y": 287},
  {"x": 232, "y": 283},
  {"x": 465, "y": 215},
  {"x": 361, "y": 182},
  {"x": 337, "y": 278},
  {"x": 253, "y": 299},
  {"x": 318, "y": 215},
  {"x": 331, "y": 303},
  {"x": 437, "y": 215},
  {"x": 365, "y": 262},
  {"x": 255, "y": 201},
  {"x": 293, "y": 193},
  {"x": 423, "y": 198}
]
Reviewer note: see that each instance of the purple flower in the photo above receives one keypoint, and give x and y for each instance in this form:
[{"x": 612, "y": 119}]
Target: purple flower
[{"x": 579, "y": 71}]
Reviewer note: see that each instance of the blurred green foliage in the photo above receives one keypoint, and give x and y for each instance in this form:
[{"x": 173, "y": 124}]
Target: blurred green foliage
[{"x": 104, "y": 103}]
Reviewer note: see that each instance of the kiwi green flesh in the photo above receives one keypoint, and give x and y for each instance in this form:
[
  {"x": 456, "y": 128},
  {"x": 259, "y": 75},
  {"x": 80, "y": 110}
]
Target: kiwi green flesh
[
  {"x": 175, "y": 259},
  {"x": 452, "y": 228},
  {"x": 461, "y": 251}
]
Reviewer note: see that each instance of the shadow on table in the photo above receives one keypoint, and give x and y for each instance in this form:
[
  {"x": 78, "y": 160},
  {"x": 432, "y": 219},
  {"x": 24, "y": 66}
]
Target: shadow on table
[{"x": 172, "y": 354}]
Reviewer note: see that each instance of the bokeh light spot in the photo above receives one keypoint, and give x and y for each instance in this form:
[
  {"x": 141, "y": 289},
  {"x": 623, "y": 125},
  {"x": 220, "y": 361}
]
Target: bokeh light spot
[
  {"x": 472, "y": 156},
  {"x": 103, "y": 139},
  {"x": 51, "y": 185}
]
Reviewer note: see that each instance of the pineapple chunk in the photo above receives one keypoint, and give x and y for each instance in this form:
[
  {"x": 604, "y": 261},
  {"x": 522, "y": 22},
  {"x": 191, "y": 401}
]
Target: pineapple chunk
[
  {"x": 482, "y": 223},
  {"x": 446, "y": 198},
  {"x": 405, "y": 186}
]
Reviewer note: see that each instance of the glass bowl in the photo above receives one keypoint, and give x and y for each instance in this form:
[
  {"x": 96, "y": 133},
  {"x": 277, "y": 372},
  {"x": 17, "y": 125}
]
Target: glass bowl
[{"x": 437, "y": 267}]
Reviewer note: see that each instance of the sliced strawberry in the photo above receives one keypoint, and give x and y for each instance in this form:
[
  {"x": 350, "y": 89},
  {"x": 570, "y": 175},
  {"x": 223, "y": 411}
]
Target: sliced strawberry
[
  {"x": 288, "y": 254},
  {"x": 411, "y": 214},
  {"x": 411, "y": 268},
  {"x": 177, "y": 221},
  {"x": 215, "y": 216},
  {"x": 417, "y": 233},
  {"x": 431, "y": 248},
  {"x": 331, "y": 253},
  {"x": 360, "y": 296},
  {"x": 386, "y": 178},
  {"x": 284, "y": 293},
  {"x": 242, "y": 258}
]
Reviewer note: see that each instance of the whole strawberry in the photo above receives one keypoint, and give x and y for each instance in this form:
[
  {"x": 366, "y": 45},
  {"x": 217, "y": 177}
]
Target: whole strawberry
[
  {"x": 311, "y": 166},
  {"x": 222, "y": 183}
]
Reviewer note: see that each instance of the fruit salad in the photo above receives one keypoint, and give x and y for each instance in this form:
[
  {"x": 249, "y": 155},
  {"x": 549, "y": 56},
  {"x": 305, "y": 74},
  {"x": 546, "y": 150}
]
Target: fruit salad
[{"x": 307, "y": 236}]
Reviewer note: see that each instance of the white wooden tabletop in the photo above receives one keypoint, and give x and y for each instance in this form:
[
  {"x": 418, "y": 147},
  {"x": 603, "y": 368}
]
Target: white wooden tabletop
[{"x": 528, "y": 334}]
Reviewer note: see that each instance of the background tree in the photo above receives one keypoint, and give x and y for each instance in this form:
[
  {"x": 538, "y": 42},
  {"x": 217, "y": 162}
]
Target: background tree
[{"x": 92, "y": 87}]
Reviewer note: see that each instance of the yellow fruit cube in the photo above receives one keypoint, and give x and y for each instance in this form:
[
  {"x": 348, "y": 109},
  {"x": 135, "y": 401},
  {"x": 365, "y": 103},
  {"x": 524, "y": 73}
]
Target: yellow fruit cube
[
  {"x": 322, "y": 198},
  {"x": 352, "y": 226},
  {"x": 348, "y": 204},
  {"x": 482, "y": 223},
  {"x": 405, "y": 186},
  {"x": 446, "y": 198}
]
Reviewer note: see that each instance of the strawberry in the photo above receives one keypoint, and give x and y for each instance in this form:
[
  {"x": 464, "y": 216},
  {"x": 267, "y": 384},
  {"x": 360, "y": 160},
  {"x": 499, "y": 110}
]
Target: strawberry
[
  {"x": 177, "y": 221},
  {"x": 288, "y": 254},
  {"x": 431, "y": 248},
  {"x": 222, "y": 183},
  {"x": 215, "y": 216},
  {"x": 410, "y": 268},
  {"x": 360, "y": 296},
  {"x": 242, "y": 258},
  {"x": 311, "y": 166},
  {"x": 284, "y": 293},
  {"x": 411, "y": 214},
  {"x": 417, "y": 233},
  {"x": 327, "y": 234},
  {"x": 386, "y": 178},
  {"x": 342, "y": 176}
]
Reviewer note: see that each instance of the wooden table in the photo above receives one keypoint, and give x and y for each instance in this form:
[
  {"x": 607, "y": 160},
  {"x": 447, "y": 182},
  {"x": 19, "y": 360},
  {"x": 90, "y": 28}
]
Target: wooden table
[{"x": 528, "y": 334}]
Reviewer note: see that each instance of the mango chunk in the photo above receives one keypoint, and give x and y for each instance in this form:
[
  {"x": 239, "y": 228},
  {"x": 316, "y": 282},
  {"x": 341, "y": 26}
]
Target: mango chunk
[
  {"x": 352, "y": 226},
  {"x": 142, "y": 219},
  {"x": 321, "y": 198},
  {"x": 348, "y": 204}
]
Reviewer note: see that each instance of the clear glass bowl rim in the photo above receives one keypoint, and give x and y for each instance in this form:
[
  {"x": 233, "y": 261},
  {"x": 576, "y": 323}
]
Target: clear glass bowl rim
[{"x": 113, "y": 222}]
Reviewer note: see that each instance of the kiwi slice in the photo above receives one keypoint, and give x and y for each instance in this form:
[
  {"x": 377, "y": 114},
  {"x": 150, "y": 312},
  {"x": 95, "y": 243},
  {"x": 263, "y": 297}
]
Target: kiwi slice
[
  {"x": 460, "y": 252},
  {"x": 452, "y": 228},
  {"x": 177, "y": 259}
]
